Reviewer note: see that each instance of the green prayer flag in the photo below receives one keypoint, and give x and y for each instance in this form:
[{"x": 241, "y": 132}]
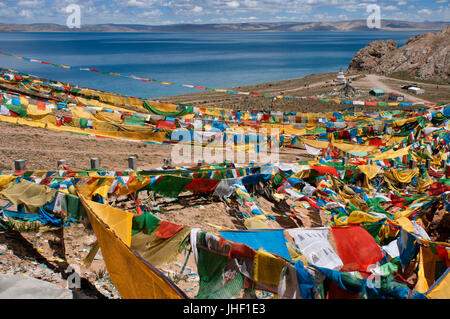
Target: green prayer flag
[
  {"x": 186, "y": 109},
  {"x": 146, "y": 223},
  {"x": 170, "y": 186}
]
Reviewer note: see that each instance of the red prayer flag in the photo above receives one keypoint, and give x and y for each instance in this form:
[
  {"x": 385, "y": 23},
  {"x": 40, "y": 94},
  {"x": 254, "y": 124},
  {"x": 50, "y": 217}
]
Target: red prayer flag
[
  {"x": 201, "y": 185},
  {"x": 166, "y": 124},
  {"x": 356, "y": 247},
  {"x": 326, "y": 170},
  {"x": 167, "y": 229},
  {"x": 41, "y": 105}
]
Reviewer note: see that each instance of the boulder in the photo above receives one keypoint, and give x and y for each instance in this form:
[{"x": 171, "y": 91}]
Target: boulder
[{"x": 21, "y": 287}]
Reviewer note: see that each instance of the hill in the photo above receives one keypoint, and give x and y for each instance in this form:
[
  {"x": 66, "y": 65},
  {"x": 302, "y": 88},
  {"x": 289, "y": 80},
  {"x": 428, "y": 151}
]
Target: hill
[
  {"x": 353, "y": 25},
  {"x": 424, "y": 56}
]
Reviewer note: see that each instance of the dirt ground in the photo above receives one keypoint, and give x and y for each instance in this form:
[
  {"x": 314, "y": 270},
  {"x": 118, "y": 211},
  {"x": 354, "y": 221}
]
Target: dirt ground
[
  {"x": 373, "y": 81},
  {"x": 38, "y": 251},
  {"x": 314, "y": 85},
  {"x": 41, "y": 149},
  {"x": 46, "y": 252}
]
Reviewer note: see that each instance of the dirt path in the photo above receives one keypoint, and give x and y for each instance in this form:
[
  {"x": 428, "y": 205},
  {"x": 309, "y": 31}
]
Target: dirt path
[
  {"x": 376, "y": 81},
  {"x": 314, "y": 85},
  {"x": 422, "y": 84}
]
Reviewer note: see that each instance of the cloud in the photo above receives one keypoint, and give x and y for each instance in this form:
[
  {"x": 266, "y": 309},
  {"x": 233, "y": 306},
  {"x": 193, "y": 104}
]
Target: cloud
[
  {"x": 141, "y": 3},
  {"x": 152, "y": 13},
  {"x": 389, "y": 8},
  {"x": 25, "y": 13},
  {"x": 30, "y": 3},
  {"x": 425, "y": 11},
  {"x": 233, "y": 4},
  {"x": 186, "y": 11},
  {"x": 197, "y": 9}
]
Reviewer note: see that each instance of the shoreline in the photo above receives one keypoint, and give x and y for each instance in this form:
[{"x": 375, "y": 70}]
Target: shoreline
[{"x": 225, "y": 31}]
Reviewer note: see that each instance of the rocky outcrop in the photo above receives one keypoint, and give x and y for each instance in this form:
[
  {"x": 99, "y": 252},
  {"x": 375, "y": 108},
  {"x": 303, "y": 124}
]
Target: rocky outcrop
[
  {"x": 425, "y": 55},
  {"x": 370, "y": 57}
]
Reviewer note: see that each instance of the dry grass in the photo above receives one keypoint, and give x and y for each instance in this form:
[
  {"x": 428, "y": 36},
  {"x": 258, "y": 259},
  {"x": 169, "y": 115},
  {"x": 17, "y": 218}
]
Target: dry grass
[{"x": 406, "y": 76}]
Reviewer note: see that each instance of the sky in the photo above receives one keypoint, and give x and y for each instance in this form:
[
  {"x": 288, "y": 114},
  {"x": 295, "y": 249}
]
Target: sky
[{"x": 161, "y": 12}]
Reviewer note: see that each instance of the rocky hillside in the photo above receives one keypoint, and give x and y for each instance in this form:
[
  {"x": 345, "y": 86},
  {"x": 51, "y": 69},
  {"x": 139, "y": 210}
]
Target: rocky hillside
[{"x": 425, "y": 55}]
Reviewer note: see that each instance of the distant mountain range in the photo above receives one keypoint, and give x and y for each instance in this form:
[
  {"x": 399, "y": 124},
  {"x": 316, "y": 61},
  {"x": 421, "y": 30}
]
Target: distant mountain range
[{"x": 354, "y": 25}]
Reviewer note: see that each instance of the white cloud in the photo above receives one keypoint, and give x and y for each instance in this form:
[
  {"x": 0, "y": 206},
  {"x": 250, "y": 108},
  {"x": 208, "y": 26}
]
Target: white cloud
[
  {"x": 176, "y": 11},
  {"x": 25, "y": 13},
  {"x": 152, "y": 13},
  {"x": 141, "y": 3},
  {"x": 250, "y": 3},
  {"x": 425, "y": 11},
  {"x": 233, "y": 4},
  {"x": 197, "y": 9},
  {"x": 30, "y": 3},
  {"x": 389, "y": 8}
]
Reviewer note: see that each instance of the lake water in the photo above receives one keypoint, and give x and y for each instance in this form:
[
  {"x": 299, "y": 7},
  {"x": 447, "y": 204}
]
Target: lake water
[{"x": 216, "y": 60}]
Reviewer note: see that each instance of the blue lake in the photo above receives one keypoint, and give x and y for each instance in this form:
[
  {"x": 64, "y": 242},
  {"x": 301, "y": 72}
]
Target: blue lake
[{"x": 216, "y": 60}]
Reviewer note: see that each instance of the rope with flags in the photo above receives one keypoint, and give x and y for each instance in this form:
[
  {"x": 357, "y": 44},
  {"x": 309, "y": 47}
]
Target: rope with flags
[{"x": 271, "y": 96}]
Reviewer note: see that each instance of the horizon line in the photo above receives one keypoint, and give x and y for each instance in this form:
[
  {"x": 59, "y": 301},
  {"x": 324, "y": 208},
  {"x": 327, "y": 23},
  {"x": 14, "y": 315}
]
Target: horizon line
[{"x": 223, "y": 23}]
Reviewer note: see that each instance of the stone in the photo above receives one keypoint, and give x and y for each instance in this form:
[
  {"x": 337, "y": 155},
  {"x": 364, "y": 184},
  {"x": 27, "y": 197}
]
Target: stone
[
  {"x": 22, "y": 287},
  {"x": 425, "y": 55}
]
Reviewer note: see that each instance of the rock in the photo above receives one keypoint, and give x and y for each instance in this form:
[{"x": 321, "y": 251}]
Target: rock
[
  {"x": 369, "y": 58},
  {"x": 21, "y": 287},
  {"x": 425, "y": 55},
  {"x": 99, "y": 256}
]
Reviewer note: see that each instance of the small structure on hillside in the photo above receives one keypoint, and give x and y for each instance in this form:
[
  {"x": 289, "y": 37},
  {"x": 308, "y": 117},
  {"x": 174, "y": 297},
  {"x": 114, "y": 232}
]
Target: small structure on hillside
[
  {"x": 396, "y": 97},
  {"x": 341, "y": 78},
  {"x": 376, "y": 92},
  {"x": 416, "y": 90}
]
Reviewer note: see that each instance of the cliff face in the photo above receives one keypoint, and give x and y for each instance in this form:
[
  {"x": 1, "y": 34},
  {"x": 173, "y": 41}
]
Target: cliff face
[{"x": 426, "y": 55}]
